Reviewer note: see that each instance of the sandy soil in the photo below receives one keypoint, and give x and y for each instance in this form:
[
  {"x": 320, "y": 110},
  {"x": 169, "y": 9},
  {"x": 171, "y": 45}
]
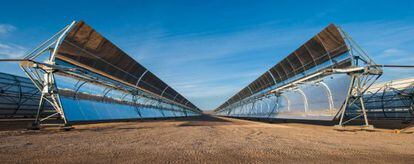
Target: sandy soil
[{"x": 204, "y": 140}]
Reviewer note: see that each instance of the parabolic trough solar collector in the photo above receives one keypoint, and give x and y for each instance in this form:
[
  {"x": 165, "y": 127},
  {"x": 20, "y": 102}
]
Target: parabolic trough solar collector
[
  {"x": 320, "y": 100},
  {"x": 84, "y": 100}
]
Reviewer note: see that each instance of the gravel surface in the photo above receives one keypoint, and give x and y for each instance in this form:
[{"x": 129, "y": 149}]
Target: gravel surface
[{"x": 204, "y": 139}]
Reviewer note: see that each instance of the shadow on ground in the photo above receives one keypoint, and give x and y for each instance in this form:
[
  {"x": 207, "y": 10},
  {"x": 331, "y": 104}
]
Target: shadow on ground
[
  {"x": 383, "y": 124},
  {"x": 206, "y": 120},
  {"x": 203, "y": 120},
  {"x": 204, "y": 117}
]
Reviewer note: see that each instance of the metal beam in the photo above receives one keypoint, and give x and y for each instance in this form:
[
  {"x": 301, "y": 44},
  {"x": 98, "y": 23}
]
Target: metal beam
[
  {"x": 328, "y": 93},
  {"x": 305, "y": 99},
  {"x": 139, "y": 79}
]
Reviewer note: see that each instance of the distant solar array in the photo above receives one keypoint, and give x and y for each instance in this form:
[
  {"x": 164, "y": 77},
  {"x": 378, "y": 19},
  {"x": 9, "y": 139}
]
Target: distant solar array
[
  {"x": 389, "y": 100},
  {"x": 19, "y": 97}
]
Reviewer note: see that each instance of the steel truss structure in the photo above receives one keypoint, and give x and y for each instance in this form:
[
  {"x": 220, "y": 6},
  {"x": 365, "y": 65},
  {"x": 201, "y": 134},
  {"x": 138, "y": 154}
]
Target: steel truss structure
[
  {"x": 19, "y": 97},
  {"x": 84, "y": 77},
  {"x": 389, "y": 100},
  {"x": 321, "y": 80}
]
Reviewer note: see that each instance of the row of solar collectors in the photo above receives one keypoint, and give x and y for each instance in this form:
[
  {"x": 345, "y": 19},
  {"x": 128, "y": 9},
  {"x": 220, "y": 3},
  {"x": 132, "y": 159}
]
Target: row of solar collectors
[
  {"x": 86, "y": 48},
  {"x": 326, "y": 49},
  {"x": 319, "y": 100},
  {"x": 388, "y": 101},
  {"x": 19, "y": 97},
  {"x": 385, "y": 102},
  {"x": 89, "y": 101}
]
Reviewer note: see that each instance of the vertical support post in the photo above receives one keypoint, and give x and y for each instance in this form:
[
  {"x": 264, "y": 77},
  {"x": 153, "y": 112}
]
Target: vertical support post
[
  {"x": 36, "y": 123},
  {"x": 359, "y": 90},
  {"x": 356, "y": 93},
  {"x": 345, "y": 106},
  {"x": 56, "y": 99}
]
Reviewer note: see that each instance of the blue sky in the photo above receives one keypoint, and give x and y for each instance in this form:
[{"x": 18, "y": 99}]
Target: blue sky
[{"x": 208, "y": 50}]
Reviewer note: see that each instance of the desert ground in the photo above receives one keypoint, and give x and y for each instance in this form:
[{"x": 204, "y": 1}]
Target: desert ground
[{"x": 205, "y": 139}]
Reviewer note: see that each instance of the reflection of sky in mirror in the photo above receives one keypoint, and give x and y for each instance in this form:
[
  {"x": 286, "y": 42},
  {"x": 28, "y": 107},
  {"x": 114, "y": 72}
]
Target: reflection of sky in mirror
[
  {"x": 292, "y": 101},
  {"x": 84, "y": 109}
]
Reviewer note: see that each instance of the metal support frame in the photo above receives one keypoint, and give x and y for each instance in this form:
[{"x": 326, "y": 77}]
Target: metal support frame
[
  {"x": 47, "y": 86},
  {"x": 275, "y": 108},
  {"x": 361, "y": 81},
  {"x": 358, "y": 86},
  {"x": 43, "y": 76},
  {"x": 328, "y": 94},
  {"x": 137, "y": 109},
  {"x": 305, "y": 99},
  {"x": 139, "y": 80}
]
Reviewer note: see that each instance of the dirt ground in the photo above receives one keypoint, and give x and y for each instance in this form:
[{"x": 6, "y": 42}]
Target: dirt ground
[{"x": 204, "y": 139}]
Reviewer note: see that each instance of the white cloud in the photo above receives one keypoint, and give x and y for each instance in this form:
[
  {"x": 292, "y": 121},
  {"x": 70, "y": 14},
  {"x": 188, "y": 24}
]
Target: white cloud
[
  {"x": 182, "y": 49},
  {"x": 378, "y": 36},
  {"x": 7, "y": 49},
  {"x": 6, "y": 28},
  {"x": 388, "y": 43},
  {"x": 396, "y": 56},
  {"x": 11, "y": 51},
  {"x": 393, "y": 52}
]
